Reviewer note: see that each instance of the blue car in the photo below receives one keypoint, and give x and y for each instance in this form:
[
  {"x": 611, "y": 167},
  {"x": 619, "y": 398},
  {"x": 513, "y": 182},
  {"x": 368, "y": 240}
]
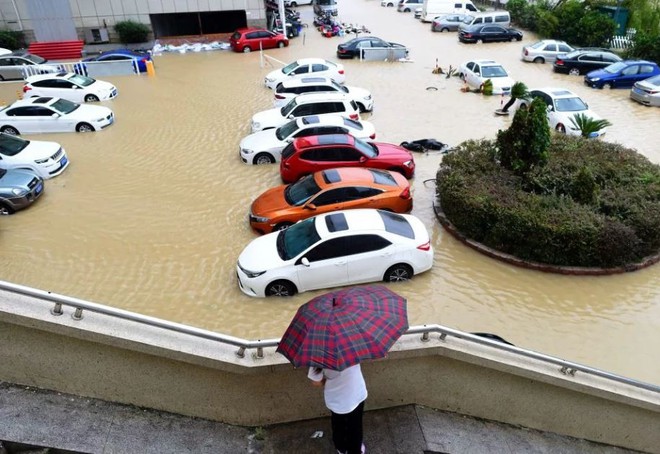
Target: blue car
[
  {"x": 140, "y": 59},
  {"x": 621, "y": 74}
]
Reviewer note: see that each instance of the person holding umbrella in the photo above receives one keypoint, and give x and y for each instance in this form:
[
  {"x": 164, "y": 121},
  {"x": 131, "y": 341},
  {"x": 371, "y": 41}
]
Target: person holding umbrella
[
  {"x": 332, "y": 334},
  {"x": 344, "y": 392}
]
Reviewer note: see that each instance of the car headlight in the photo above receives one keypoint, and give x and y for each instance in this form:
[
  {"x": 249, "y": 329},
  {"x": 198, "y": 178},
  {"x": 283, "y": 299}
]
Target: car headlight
[
  {"x": 41, "y": 161},
  {"x": 367, "y": 97},
  {"x": 408, "y": 164},
  {"x": 253, "y": 274},
  {"x": 256, "y": 124},
  {"x": 246, "y": 151},
  {"x": 260, "y": 219},
  {"x": 268, "y": 79},
  {"x": 19, "y": 191},
  {"x": 595, "y": 79}
]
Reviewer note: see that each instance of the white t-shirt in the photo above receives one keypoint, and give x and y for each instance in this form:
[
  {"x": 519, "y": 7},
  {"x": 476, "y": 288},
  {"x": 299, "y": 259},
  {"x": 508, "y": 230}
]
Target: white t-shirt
[{"x": 343, "y": 390}]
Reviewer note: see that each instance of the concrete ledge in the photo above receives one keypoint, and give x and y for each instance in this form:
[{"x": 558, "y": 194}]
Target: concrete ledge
[{"x": 127, "y": 362}]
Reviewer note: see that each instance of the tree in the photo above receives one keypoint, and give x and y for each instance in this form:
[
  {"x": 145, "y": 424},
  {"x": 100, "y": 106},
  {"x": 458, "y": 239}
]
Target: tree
[
  {"x": 518, "y": 91},
  {"x": 132, "y": 32},
  {"x": 587, "y": 125},
  {"x": 524, "y": 145}
]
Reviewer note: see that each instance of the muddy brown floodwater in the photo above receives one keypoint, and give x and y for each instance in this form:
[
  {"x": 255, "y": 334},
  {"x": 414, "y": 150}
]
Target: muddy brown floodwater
[{"x": 152, "y": 212}]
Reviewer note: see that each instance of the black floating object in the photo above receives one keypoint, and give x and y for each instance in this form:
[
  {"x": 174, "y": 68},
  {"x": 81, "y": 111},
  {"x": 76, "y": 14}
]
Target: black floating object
[{"x": 494, "y": 337}]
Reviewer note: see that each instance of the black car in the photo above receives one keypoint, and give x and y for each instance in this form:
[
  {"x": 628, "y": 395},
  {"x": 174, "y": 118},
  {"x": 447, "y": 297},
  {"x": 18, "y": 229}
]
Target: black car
[
  {"x": 486, "y": 33},
  {"x": 351, "y": 48},
  {"x": 581, "y": 61}
]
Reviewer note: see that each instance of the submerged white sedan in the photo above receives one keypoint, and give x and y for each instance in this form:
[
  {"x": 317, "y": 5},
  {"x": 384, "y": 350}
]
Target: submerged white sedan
[
  {"x": 46, "y": 114},
  {"x": 335, "y": 249},
  {"x": 265, "y": 147},
  {"x": 46, "y": 159},
  {"x": 476, "y": 72},
  {"x": 71, "y": 86},
  {"x": 306, "y": 66}
]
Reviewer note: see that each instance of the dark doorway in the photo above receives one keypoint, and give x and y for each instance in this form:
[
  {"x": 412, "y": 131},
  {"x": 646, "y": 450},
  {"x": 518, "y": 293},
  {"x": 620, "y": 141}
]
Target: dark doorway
[{"x": 202, "y": 23}]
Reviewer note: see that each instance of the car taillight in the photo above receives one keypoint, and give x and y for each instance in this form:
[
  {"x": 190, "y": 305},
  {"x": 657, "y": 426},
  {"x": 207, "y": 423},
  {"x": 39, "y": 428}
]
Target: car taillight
[
  {"x": 559, "y": 62},
  {"x": 424, "y": 247},
  {"x": 405, "y": 194},
  {"x": 468, "y": 35},
  {"x": 525, "y": 52},
  {"x": 372, "y": 136},
  {"x": 341, "y": 51},
  {"x": 341, "y": 71},
  {"x": 278, "y": 96},
  {"x": 354, "y": 116},
  {"x": 26, "y": 88}
]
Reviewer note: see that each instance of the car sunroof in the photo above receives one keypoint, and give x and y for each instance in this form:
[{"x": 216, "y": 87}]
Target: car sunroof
[{"x": 336, "y": 222}]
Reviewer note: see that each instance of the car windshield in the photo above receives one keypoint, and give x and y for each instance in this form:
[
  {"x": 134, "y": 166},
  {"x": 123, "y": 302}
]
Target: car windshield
[
  {"x": 339, "y": 87},
  {"x": 574, "y": 54},
  {"x": 367, "y": 149},
  {"x": 298, "y": 193},
  {"x": 286, "y": 110},
  {"x": 290, "y": 67},
  {"x": 63, "y": 106},
  {"x": 11, "y": 146},
  {"x": 297, "y": 238},
  {"x": 493, "y": 71},
  {"x": 570, "y": 105},
  {"x": 81, "y": 80},
  {"x": 35, "y": 59},
  {"x": 615, "y": 67},
  {"x": 468, "y": 19},
  {"x": 537, "y": 45},
  {"x": 286, "y": 130}
]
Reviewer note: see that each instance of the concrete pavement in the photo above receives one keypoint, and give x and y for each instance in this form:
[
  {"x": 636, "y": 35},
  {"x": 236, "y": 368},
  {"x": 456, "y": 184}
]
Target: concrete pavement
[{"x": 75, "y": 424}]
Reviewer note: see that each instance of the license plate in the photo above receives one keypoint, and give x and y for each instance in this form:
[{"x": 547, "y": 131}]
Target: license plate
[
  {"x": 639, "y": 91},
  {"x": 63, "y": 161},
  {"x": 39, "y": 188}
]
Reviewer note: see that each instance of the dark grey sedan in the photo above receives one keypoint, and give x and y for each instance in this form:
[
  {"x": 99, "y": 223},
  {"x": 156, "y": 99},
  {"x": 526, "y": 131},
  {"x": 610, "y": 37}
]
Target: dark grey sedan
[
  {"x": 447, "y": 22},
  {"x": 18, "y": 189}
]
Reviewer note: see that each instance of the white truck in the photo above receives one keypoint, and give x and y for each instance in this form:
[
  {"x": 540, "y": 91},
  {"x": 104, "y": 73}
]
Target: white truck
[{"x": 434, "y": 8}]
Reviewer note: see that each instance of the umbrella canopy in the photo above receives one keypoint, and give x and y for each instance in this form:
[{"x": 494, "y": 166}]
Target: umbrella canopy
[{"x": 340, "y": 329}]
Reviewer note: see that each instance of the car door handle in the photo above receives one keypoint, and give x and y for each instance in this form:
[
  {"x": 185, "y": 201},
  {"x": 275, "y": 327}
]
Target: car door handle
[{"x": 340, "y": 263}]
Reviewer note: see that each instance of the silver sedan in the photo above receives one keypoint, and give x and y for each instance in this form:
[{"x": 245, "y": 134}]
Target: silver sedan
[
  {"x": 447, "y": 22},
  {"x": 647, "y": 91}
]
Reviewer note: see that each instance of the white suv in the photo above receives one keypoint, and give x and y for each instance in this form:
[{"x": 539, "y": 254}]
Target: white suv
[
  {"x": 291, "y": 88},
  {"x": 545, "y": 51},
  {"x": 304, "y": 105}
]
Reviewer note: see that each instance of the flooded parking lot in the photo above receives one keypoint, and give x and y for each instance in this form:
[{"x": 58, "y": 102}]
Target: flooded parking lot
[{"x": 152, "y": 212}]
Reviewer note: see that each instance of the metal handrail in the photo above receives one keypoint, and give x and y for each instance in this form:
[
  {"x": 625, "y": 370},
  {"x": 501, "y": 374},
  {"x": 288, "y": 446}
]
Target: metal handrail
[{"x": 566, "y": 367}]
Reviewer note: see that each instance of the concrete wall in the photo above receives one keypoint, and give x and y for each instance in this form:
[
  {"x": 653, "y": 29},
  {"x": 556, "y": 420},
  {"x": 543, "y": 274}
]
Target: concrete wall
[{"x": 120, "y": 361}]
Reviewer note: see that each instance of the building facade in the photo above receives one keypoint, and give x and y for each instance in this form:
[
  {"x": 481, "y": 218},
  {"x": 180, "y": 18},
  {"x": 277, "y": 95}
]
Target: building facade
[{"x": 93, "y": 20}]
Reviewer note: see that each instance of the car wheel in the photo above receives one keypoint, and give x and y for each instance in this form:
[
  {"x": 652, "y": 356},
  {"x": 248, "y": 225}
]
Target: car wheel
[
  {"x": 5, "y": 209},
  {"x": 281, "y": 43},
  {"x": 2, "y": 78},
  {"x": 519, "y": 38},
  {"x": 609, "y": 85},
  {"x": 560, "y": 128},
  {"x": 523, "y": 106},
  {"x": 445, "y": 29},
  {"x": 84, "y": 127},
  {"x": 389, "y": 5},
  {"x": 361, "y": 107},
  {"x": 294, "y": 4},
  {"x": 280, "y": 288},
  {"x": 91, "y": 98},
  {"x": 539, "y": 60},
  {"x": 247, "y": 49},
  {"x": 479, "y": 41},
  {"x": 574, "y": 72},
  {"x": 263, "y": 158},
  {"x": 398, "y": 273},
  {"x": 10, "y": 130},
  {"x": 282, "y": 226}
]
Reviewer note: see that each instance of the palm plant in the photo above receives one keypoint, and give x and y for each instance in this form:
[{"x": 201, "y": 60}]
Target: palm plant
[
  {"x": 487, "y": 87},
  {"x": 588, "y": 126},
  {"x": 518, "y": 91}
]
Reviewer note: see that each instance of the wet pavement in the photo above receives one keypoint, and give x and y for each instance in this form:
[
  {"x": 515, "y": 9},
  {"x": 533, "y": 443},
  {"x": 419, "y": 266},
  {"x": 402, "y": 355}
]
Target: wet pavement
[{"x": 75, "y": 424}]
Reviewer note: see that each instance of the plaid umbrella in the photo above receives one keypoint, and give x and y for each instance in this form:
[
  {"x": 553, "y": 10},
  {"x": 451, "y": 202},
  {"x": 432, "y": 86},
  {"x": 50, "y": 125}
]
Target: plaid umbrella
[{"x": 340, "y": 329}]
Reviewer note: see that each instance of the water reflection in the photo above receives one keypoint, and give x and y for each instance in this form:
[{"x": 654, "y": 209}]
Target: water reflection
[{"x": 152, "y": 213}]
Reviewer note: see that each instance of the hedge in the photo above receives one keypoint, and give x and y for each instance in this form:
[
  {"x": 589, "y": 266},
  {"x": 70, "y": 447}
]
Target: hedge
[{"x": 594, "y": 203}]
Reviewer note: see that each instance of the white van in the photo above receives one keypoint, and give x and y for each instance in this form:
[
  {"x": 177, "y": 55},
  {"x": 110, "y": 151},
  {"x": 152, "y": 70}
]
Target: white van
[
  {"x": 434, "y": 8},
  {"x": 502, "y": 18}
]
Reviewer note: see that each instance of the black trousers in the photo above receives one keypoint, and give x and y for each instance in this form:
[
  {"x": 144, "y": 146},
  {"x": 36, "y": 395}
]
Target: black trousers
[{"x": 347, "y": 430}]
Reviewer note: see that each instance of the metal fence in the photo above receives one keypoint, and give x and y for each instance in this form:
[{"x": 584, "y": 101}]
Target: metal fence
[
  {"x": 91, "y": 69},
  {"x": 383, "y": 53},
  {"x": 425, "y": 333},
  {"x": 623, "y": 41}
]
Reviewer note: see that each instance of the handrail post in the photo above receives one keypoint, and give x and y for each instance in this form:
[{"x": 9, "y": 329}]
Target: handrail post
[
  {"x": 78, "y": 314},
  {"x": 57, "y": 309}
]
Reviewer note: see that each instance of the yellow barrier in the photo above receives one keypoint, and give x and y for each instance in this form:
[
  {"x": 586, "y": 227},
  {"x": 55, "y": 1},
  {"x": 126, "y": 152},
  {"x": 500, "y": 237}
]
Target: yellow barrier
[{"x": 151, "y": 70}]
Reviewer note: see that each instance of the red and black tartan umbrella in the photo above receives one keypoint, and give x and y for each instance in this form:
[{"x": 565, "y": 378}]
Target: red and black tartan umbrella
[{"x": 340, "y": 329}]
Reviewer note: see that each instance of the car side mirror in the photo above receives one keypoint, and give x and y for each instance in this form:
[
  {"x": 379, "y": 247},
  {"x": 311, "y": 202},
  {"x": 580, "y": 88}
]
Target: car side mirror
[
  {"x": 477, "y": 73},
  {"x": 304, "y": 261},
  {"x": 290, "y": 117},
  {"x": 288, "y": 139},
  {"x": 363, "y": 159},
  {"x": 310, "y": 206},
  {"x": 55, "y": 115},
  {"x": 550, "y": 108}
]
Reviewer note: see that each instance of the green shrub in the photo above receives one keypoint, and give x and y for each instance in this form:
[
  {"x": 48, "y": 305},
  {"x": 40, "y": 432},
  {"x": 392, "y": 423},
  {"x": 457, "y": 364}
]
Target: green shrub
[
  {"x": 12, "y": 40},
  {"x": 594, "y": 203},
  {"x": 132, "y": 32},
  {"x": 646, "y": 46}
]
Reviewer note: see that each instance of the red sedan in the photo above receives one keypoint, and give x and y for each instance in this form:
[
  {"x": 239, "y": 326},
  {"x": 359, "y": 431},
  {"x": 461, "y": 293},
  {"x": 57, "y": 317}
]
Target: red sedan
[
  {"x": 249, "y": 39},
  {"x": 310, "y": 154}
]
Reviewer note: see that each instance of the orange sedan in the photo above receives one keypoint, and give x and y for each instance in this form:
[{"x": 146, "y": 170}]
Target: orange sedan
[{"x": 329, "y": 190}]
